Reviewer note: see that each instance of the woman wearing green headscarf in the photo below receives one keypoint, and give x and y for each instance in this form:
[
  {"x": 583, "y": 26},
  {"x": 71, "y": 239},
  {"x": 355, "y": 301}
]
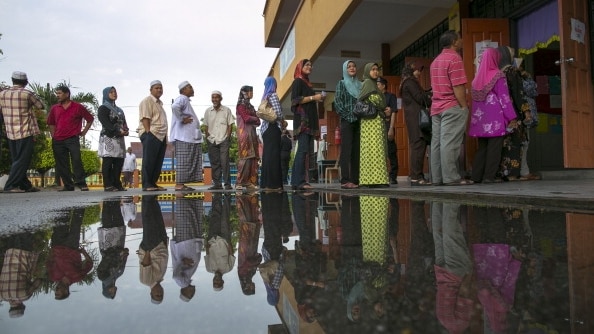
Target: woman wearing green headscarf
[{"x": 372, "y": 162}]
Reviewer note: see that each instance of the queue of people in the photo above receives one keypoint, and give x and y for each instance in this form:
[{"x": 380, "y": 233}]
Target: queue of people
[{"x": 503, "y": 109}]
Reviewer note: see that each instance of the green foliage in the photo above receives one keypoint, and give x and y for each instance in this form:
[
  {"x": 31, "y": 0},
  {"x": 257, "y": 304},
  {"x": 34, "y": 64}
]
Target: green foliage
[{"x": 91, "y": 161}]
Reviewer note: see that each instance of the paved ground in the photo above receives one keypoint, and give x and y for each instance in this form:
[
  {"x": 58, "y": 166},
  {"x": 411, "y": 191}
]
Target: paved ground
[{"x": 26, "y": 210}]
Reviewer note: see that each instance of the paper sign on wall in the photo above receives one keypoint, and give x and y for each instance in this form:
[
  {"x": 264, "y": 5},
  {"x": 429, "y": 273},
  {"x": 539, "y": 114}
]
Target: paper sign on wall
[{"x": 578, "y": 29}]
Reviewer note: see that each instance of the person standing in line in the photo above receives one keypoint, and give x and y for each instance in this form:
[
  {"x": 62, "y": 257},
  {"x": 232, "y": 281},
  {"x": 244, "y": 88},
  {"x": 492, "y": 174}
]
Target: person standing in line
[
  {"x": 187, "y": 139},
  {"x": 390, "y": 125},
  {"x": 247, "y": 141},
  {"x": 152, "y": 131},
  {"x": 449, "y": 111},
  {"x": 347, "y": 92},
  {"x": 286, "y": 148},
  {"x": 372, "y": 162},
  {"x": 129, "y": 168},
  {"x": 218, "y": 121},
  {"x": 112, "y": 146},
  {"x": 414, "y": 98},
  {"x": 272, "y": 174},
  {"x": 17, "y": 106},
  {"x": 492, "y": 114},
  {"x": 305, "y": 122},
  {"x": 65, "y": 121},
  {"x": 321, "y": 155}
]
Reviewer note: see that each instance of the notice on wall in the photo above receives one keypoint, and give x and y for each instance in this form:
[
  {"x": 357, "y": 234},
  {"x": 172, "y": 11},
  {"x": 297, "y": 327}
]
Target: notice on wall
[
  {"x": 479, "y": 48},
  {"x": 578, "y": 29}
]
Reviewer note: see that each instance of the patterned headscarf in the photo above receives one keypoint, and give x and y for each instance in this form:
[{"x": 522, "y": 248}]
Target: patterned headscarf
[
  {"x": 352, "y": 84},
  {"x": 269, "y": 87},
  {"x": 299, "y": 72},
  {"x": 243, "y": 95}
]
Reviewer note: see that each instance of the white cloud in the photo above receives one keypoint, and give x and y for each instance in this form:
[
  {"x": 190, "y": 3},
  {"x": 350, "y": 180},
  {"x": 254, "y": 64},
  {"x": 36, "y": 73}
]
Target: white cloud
[{"x": 94, "y": 44}]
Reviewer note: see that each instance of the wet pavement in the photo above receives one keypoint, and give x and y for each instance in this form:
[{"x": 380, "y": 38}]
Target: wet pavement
[{"x": 510, "y": 258}]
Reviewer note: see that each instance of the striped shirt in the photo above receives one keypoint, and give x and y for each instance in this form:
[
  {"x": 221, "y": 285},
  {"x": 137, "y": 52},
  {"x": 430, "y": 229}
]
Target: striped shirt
[
  {"x": 447, "y": 71},
  {"x": 16, "y": 106},
  {"x": 276, "y": 106}
]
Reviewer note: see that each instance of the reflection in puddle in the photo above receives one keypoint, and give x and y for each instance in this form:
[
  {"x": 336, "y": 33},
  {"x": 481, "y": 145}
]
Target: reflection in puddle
[{"x": 315, "y": 262}]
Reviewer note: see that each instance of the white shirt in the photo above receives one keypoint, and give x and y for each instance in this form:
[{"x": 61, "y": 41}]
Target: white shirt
[
  {"x": 217, "y": 122},
  {"x": 322, "y": 148},
  {"x": 191, "y": 249},
  {"x": 189, "y": 132},
  {"x": 129, "y": 162}
]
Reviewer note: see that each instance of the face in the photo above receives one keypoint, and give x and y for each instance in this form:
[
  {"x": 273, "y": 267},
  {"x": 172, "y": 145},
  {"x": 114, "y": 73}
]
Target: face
[
  {"x": 188, "y": 91},
  {"x": 113, "y": 94},
  {"x": 216, "y": 100},
  {"x": 62, "y": 96},
  {"x": 374, "y": 72},
  {"x": 307, "y": 68},
  {"x": 249, "y": 95},
  {"x": 217, "y": 281},
  {"x": 381, "y": 86},
  {"x": 356, "y": 312},
  {"x": 157, "y": 90},
  {"x": 352, "y": 69},
  {"x": 157, "y": 292},
  {"x": 458, "y": 43}
]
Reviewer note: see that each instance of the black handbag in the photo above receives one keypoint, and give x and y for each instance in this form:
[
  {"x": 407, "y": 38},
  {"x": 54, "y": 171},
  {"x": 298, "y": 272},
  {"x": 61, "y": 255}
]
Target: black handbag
[
  {"x": 425, "y": 123},
  {"x": 364, "y": 110}
]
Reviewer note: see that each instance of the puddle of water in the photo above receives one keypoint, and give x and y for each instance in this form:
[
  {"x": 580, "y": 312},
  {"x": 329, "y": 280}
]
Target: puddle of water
[{"x": 315, "y": 262}]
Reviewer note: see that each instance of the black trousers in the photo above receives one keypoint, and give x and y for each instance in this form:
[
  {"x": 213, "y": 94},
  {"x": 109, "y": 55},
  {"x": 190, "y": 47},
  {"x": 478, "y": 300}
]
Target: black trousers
[
  {"x": 67, "y": 151},
  {"x": 153, "y": 151},
  {"x": 112, "y": 170},
  {"x": 272, "y": 176},
  {"x": 487, "y": 159},
  {"x": 21, "y": 153},
  {"x": 350, "y": 143}
]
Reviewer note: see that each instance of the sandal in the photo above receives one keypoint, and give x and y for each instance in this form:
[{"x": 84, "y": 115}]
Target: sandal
[
  {"x": 529, "y": 177},
  {"x": 84, "y": 188},
  {"x": 420, "y": 182},
  {"x": 14, "y": 191},
  {"x": 462, "y": 182},
  {"x": 151, "y": 189}
]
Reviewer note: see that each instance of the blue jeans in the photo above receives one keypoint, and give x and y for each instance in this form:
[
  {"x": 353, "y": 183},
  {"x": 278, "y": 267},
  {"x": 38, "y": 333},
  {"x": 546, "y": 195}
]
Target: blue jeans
[{"x": 448, "y": 130}]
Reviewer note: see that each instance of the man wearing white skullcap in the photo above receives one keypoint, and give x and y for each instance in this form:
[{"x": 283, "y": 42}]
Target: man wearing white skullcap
[
  {"x": 152, "y": 131},
  {"x": 219, "y": 123},
  {"x": 17, "y": 106},
  {"x": 187, "y": 139}
]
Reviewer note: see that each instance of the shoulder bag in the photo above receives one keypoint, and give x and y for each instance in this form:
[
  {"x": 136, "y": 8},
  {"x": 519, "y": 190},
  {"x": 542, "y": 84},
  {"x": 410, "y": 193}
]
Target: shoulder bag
[
  {"x": 364, "y": 109},
  {"x": 266, "y": 112},
  {"x": 425, "y": 119}
]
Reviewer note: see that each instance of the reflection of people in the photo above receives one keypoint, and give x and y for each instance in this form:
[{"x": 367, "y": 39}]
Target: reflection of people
[
  {"x": 187, "y": 139},
  {"x": 219, "y": 258},
  {"x": 111, "y": 235},
  {"x": 218, "y": 122},
  {"x": 112, "y": 146},
  {"x": 17, "y": 282},
  {"x": 305, "y": 122},
  {"x": 16, "y": 107},
  {"x": 248, "y": 257},
  {"x": 128, "y": 208},
  {"x": 152, "y": 251},
  {"x": 453, "y": 268},
  {"x": 129, "y": 168},
  {"x": 271, "y": 139},
  {"x": 65, "y": 121},
  {"x": 152, "y": 131},
  {"x": 247, "y": 141},
  {"x": 347, "y": 92},
  {"x": 372, "y": 162},
  {"x": 186, "y": 244},
  {"x": 64, "y": 263}
]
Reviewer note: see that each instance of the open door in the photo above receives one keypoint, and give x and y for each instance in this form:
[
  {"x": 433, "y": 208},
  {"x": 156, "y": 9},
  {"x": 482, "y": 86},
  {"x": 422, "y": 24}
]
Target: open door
[
  {"x": 474, "y": 31},
  {"x": 576, "y": 85},
  {"x": 401, "y": 137}
]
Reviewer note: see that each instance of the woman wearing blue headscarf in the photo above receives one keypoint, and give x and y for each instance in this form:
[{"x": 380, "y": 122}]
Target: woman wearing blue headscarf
[
  {"x": 347, "y": 92},
  {"x": 271, "y": 178},
  {"x": 112, "y": 146}
]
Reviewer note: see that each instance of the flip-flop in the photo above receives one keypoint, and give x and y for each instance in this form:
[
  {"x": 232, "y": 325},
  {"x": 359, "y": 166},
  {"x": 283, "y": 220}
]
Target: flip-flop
[
  {"x": 185, "y": 188},
  {"x": 459, "y": 183},
  {"x": 14, "y": 191}
]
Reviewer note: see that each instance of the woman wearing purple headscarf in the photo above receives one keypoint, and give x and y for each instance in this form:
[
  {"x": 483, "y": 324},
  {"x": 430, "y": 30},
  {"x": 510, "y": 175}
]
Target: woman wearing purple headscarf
[{"x": 271, "y": 178}]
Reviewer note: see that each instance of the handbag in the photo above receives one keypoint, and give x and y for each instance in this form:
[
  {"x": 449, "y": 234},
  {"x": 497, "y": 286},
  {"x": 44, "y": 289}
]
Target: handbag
[
  {"x": 425, "y": 123},
  {"x": 266, "y": 112},
  {"x": 364, "y": 110}
]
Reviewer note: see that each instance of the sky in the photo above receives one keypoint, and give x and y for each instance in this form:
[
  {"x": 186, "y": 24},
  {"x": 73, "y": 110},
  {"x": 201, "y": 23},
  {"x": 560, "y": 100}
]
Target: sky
[{"x": 214, "y": 44}]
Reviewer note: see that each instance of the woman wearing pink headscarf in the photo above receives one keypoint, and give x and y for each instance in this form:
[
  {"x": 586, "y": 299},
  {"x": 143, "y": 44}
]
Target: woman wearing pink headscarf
[{"x": 492, "y": 113}]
